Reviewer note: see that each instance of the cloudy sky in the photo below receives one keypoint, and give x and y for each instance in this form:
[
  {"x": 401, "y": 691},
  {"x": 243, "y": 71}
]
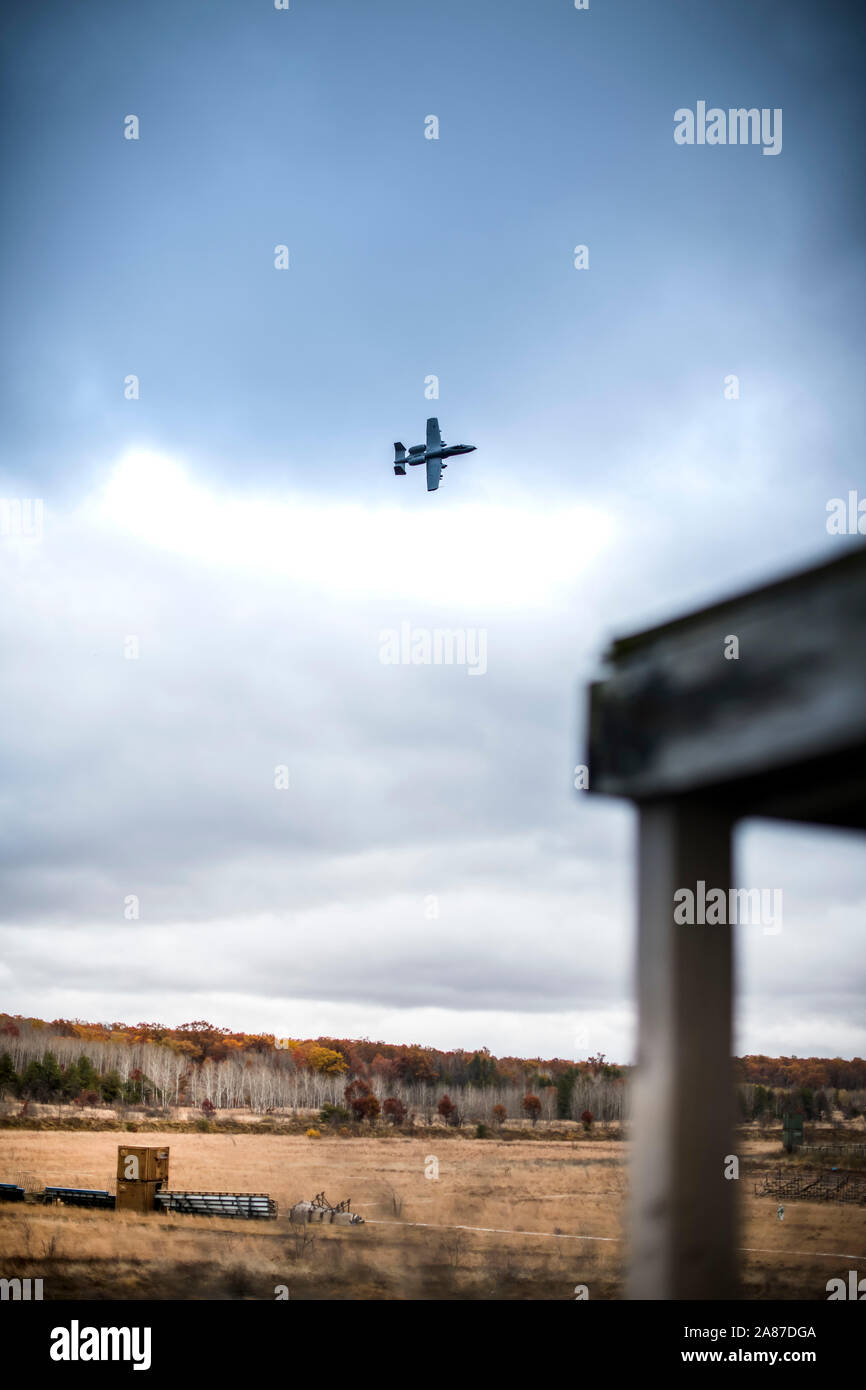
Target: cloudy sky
[{"x": 204, "y": 602}]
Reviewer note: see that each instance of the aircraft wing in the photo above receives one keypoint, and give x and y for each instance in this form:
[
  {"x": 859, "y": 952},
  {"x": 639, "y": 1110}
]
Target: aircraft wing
[
  {"x": 434, "y": 438},
  {"x": 434, "y": 473}
]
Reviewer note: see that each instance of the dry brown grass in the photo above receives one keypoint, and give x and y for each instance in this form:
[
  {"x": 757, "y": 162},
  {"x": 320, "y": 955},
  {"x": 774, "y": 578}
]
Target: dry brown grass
[{"x": 533, "y": 1196}]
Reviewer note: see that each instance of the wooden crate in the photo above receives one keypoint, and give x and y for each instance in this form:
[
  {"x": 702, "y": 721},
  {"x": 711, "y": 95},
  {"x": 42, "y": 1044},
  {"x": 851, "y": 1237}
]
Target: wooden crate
[
  {"x": 138, "y": 1164},
  {"x": 136, "y": 1196}
]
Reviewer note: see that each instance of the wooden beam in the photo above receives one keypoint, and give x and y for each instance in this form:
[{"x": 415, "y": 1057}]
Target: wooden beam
[
  {"x": 675, "y": 716},
  {"x": 682, "y": 1206}
]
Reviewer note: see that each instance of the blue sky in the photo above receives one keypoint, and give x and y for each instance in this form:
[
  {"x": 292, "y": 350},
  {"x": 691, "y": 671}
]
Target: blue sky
[
  {"x": 243, "y": 514},
  {"x": 412, "y": 256}
]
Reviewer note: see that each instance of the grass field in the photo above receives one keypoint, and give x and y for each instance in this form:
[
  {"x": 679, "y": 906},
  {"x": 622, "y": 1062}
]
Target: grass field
[{"x": 552, "y": 1217}]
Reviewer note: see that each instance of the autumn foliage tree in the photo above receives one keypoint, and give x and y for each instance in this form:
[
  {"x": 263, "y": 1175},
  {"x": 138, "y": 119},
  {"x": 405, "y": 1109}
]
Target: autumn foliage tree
[
  {"x": 147, "y": 1062},
  {"x": 368, "y": 1108},
  {"x": 586, "y": 1119},
  {"x": 326, "y": 1059},
  {"x": 446, "y": 1108},
  {"x": 359, "y": 1096},
  {"x": 532, "y": 1107},
  {"x": 499, "y": 1114},
  {"x": 395, "y": 1110}
]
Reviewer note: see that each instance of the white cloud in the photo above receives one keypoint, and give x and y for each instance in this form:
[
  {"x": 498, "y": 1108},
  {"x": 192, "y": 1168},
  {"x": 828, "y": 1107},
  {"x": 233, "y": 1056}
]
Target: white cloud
[
  {"x": 303, "y": 911},
  {"x": 493, "y": 554}
]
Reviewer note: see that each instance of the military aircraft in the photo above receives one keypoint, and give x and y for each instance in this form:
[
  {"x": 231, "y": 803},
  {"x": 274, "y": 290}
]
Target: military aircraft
[{"x": 432, "y": 453}]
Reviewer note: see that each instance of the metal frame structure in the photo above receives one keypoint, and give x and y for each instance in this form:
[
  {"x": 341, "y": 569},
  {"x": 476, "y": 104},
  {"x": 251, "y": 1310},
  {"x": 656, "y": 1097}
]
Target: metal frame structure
[{"x": 811, "y": 1185}]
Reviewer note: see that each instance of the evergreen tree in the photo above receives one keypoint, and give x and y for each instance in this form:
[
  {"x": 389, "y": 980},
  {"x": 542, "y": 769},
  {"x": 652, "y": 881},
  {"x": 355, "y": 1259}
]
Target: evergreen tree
[
  {"x": 761, "y": 1101},
  {"x": 71, "y": 1084},
  {"x": 482, "y": 1070},
  {"x": 52, "y": 1076},
  {"x": 564, "y": 1088},
  {"x": 806, "y": 1099},
  {"x": 8, "y": 1075},
  {"x": 88, "y": 1074},
  {"x": 31, "y": 1080},
  {"x": 110, "y": 1086}
]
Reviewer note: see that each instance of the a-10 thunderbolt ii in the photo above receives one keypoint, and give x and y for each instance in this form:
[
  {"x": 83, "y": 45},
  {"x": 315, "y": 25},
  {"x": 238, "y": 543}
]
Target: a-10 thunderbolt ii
[{"x": 432, "y": 453}]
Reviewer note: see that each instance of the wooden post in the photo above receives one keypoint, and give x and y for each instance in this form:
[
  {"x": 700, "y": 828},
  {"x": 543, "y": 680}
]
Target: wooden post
[{"x": 682, "y": 1206}]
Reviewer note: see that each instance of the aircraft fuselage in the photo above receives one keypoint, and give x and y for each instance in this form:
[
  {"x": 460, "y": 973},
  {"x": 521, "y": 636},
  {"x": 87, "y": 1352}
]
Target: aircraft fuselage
[{"x": 419, "y": 453}]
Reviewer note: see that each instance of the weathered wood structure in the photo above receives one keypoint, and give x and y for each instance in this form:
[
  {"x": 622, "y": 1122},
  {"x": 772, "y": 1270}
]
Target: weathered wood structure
[{"x": 699, "y": 738}]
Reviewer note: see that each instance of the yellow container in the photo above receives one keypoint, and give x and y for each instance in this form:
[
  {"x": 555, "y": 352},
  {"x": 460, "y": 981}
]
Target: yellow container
[
  {"x": 136, "y": 1196},
  {"x": 138, "y": 1164}
]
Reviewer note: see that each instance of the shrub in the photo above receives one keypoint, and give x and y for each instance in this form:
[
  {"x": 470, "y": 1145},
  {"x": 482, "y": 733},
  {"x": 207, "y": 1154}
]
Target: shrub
[
  {"x": 86, "y": 1098},
  {"x": 333, "y": 1114},
  {"x": 314, "y": 1134},
  {"x": 586, "y": 1120},
  {"x": 482, "y": 1132}
]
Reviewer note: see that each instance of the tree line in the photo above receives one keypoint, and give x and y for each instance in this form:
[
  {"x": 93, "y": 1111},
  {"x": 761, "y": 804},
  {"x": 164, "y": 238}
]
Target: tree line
[{"x": 206, "y": 1067}]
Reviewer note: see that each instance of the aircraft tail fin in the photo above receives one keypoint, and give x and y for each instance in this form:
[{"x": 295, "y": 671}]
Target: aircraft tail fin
[{"x": 399, "y": 458}]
